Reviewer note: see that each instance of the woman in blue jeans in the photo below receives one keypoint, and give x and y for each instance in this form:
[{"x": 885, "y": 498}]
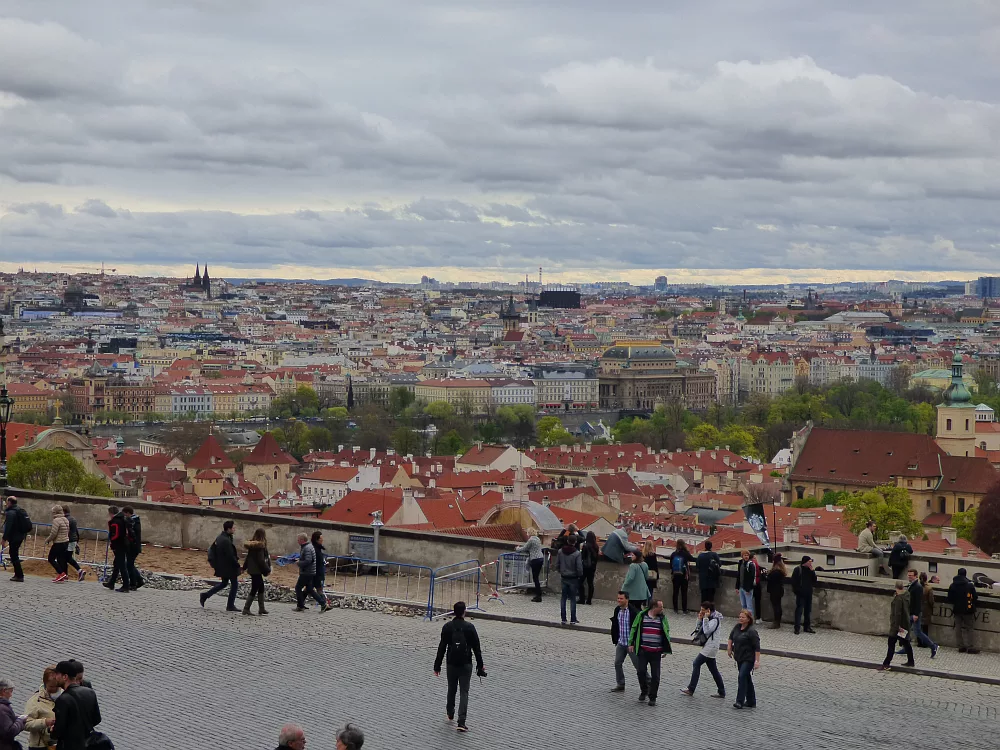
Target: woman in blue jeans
[
  {"x": 710, "y": 628},
  {"x": 744, "y": 648}
]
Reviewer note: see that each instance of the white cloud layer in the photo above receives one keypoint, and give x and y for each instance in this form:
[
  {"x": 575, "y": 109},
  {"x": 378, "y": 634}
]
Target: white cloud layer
[{"x": 575, "y": 135}]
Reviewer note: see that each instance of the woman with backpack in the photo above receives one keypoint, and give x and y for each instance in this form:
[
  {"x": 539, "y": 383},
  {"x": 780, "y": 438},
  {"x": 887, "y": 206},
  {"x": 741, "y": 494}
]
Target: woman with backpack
[
  {"x": 776, "y": 587},
  {"x": 653, "y": 577},
  {"x": 899, "y": 557},
  {"x": 258, "y": 566},
  {"x": 680, "y": 573},
  {"x": 590, "y": 552}
]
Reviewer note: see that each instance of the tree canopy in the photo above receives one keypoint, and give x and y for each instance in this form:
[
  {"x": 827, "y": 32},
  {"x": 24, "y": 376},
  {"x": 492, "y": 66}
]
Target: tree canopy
[
  {"x": 54, "y": 471},
  {"x": 887, "y": 505},
  {"x": 986, "y": 533}
]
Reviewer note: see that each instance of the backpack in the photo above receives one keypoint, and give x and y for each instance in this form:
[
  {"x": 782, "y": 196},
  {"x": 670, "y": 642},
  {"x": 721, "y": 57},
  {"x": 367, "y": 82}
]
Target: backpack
[
  {"x": 904, "y": 556},
  {"x": 458, "y": 649},
  {"x": 713, "y": 566},
  {"x": 213, "y": 555},
  {"x": 24, "y": 524},
  {"x": 677, "y": 564}
]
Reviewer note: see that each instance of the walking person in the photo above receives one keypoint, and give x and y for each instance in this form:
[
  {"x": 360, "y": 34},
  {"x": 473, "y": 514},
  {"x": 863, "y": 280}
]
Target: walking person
[
  {"x": 460, "y": 641},
  {"x": 118, "y": 533},
  {"x": 680, "y": 574},
  {"x": 10, "y": 724},
  {"x": 776, "y": 587},
  {"x": 74, "y": 545},
  {"x": 867, "y": 545},
  {"x": 649, "y": 641},
  {"x": 134, "y": 547},
  {"x": 569, "y": 565},
  {"x": 635, "y": 583},
  {"x": 621, "y": 630},
  {"x": 899, "y": 556},
  {"x": 653, "y": 565},
  {"x": 589, "y": 552},
  {"x": 307, "y": 572},
  {"x": 16, "y": 526},
  {"x": 927, "y": 607},
  {"x": 747, "y": 577},
  {"x": 536, "y": 558},
  {"x": 803, "y": 583},
  {"x": 40, "y": 709},
  {"x": 708, "y": 633},
  {"x": 915, "y": 590},
  {"x": 257, "y": 564},
  {"x": 899, "y": 627},
  {"x": 77, "y": 710},
  {"x": 350, "y": 738},
  {"x": 963, "y": 598},
  {"x": 319, "y": 579},
  {"x": 709, "y": 572},
  {"x": 744, "y": 649},
  {"x": 225, "y": 560},
  {"x": 59, "y": 539}
]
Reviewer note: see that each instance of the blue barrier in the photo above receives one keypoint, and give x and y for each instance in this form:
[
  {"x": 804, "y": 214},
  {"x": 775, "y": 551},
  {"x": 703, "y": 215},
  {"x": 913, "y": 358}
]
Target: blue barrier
[
  {"x": 453, "y": 583},
  {"x": 93, "y": 544}
]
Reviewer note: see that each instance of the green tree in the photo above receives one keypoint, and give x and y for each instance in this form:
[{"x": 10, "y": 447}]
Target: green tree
[
  {"x": 302, "y": 402},
  {"x": 54, "y": 471},
  {"x": 405, "y": 441},
  {"x": 704, "y": 436},
  {"x": 399, "y": 399},
  {"x": 551, "y": 432},
  {"x": 887, "y": 505},
  {"x": 440, "y": 410},
  {"x": 965, "y": 523},
  {"x": 449, "y": 444},
  {"x": 807, "y": 502},
  {"x": 335, "y": 412}
]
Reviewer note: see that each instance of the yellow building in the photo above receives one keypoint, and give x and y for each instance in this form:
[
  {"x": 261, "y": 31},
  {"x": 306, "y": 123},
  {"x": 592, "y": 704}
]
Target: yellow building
[
  {"x": 456, "y": 391},
  {"x": 29, "y": 398}
]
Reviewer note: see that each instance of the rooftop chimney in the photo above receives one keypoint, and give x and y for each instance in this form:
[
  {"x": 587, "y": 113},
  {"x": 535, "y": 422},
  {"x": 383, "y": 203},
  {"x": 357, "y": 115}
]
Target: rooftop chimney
[
  {"x": 807, "y": 518},
  {"x": 371, "y": 454},
  {"x": 791, "y": 535},
  {"x": 950, "y": 535}
]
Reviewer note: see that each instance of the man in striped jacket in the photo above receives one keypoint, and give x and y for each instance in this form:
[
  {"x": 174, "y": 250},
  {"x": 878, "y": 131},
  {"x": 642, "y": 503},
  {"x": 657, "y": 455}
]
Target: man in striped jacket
[{"x": 649, "y": 641}]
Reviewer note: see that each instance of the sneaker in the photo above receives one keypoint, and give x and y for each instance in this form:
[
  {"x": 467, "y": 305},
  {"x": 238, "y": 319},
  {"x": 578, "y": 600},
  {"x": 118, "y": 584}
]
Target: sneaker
[
  {"x": 123, "y": 590},
  {"x": 111, "y": 587},
  {"x": 972, "y": 651},
  {"x": 325, "y": 608},
  {"x": 796, "y": 631},
  {"x": 62, "y": 578},
  {"x": 249, "y": 613},
  {"x": 81, "y": 575},
  {"x": 910, "y": 664},
  {"x": 718, "y": 695},
  {"x": 618, "y": 689},
  {"x": 901, "y": 652},
  {"x": 57, "y": 579},
  {"x": 652, "y": 702},
  {"x": 642, "y": 697},
  {"x": 17, "y": 579},
  {"x": 462, "y": 728},
  {"x": 686, "y": 691},
  {"x": 884, "y": 668},
  {"x": 201, "y": 599},
  {"x": 738, "y": 705},
  {"x": 450, "y": 719},
  {"x": 232, "y": 609},
  {"x": 139, "y": 585},
  {"x": 536, "y": 599},
  {"x": 934, "y": 650},
  {"x": 574, "y": 622}
]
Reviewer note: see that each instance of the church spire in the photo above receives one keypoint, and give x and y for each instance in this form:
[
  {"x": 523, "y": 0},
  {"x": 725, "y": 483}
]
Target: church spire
[
  {"x": 204, "y": 279},
  {"x": 197, "y": 274}
]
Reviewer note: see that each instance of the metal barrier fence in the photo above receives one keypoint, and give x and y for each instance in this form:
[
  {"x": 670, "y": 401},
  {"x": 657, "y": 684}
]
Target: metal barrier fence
[
  {"x": 93, "y": 544},
  {"x": 455, "y": 583},
  {"x": 861, "y": 570},
  {"x": 513, "y": 572},
  {"x": 391, "y": 582}
]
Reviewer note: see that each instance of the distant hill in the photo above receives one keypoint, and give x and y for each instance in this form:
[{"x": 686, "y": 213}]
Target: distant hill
[{"x": 327, "y": 282}]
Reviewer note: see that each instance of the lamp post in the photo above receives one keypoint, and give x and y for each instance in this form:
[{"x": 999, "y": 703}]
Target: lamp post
[{"x": 6, "y": 409}]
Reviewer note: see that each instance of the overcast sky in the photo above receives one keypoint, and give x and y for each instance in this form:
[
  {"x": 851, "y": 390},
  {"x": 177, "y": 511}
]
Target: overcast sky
[{"x": 465, "y": 138}]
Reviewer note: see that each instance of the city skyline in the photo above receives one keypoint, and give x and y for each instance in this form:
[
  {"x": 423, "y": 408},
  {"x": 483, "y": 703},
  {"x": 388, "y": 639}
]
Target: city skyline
[{"x": 392, "y": 140}]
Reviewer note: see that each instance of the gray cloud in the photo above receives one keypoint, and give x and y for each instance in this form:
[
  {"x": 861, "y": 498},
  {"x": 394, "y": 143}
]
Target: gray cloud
[{"x": 403, "y": 135}]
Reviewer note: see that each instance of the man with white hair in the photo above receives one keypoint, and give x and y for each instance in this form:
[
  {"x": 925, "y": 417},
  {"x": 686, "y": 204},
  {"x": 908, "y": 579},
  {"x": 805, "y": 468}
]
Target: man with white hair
[
  {"x": 307, "y": 572},
  {"x": 291, "y": 737}
]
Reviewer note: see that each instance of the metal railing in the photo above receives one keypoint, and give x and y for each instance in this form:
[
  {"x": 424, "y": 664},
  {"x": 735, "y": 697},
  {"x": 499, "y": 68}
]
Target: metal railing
[
  {"x": 514, "y": 572},
  {"x": 93, "y": 545},
  {"x": 860, "y": 570},
  {"x": 391, "y": 582},
  {"x": 455, "y": 583}
]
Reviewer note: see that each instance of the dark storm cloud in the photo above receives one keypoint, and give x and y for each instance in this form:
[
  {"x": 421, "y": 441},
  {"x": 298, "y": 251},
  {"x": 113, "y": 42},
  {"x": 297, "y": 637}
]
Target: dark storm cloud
[{"x": 569, "y": 134}]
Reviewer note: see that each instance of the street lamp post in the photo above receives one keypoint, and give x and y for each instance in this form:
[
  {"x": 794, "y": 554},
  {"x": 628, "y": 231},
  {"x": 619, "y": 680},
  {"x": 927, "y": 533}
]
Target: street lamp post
[{"x": 6, "y": 409}]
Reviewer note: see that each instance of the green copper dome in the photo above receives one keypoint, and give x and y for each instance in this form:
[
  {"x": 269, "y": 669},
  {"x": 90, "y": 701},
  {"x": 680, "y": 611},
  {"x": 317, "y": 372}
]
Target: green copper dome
[{"x": 957, "y": 393}]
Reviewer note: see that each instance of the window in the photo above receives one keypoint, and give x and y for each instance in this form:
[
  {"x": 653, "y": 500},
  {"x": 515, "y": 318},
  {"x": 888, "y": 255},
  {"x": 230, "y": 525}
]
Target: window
[
  {"x": 966, "y": 424},
  {"x": 942, "y": 505},
  {"x": 800, "y": 492},
  {"x": 948, "y": 425},
  {"x": 831, "y": 559},
  {"x": 961, "y": 505},
  {"x": 932, "y": 567}
]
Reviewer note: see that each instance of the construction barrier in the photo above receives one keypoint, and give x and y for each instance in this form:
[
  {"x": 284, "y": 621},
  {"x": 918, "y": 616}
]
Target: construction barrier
[
  {"x": 455, "y": 583},
  {"x": 396, "y": 583},
  {"x": 93, "y": 546},
  {"x": 514, "y": 573}
]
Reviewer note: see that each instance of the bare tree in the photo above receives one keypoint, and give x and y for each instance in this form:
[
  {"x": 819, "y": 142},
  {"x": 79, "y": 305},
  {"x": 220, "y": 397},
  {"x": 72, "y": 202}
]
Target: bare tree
[{"x": 766, "y": 494}]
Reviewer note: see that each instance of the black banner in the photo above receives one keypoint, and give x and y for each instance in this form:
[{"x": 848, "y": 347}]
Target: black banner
[{"x": 758, "y": 521}]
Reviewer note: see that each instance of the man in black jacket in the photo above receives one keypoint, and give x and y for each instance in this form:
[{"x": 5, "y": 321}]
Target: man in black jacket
[
  {"x": 461, "y": 641},
  {"x": 962, "y": 597},
  {"x": 621, "y": 629},
  {"x": 709, "y": 572},
  {"x": 803, "y": 583},
  {"x": 13, "y": 535},
  {"x": 77, "y": 711},
  {"x": 226, "y": 562},
  {"x": 118, "y": 534},
  {"x": 134, "y": 546}
]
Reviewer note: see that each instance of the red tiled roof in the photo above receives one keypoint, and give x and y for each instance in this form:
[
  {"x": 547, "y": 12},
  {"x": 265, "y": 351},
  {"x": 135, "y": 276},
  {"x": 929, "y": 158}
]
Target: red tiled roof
[
  {"x": 210, "y": 456},
  {"x": 866, "y": 457},
  {"x": 483, "y": 455},
  {"x": 342, "y": 474},
  {"x": 620, "y": 482},
  {"x": 499, "y": 532},
  {"x": 20, "y": 434},
  {"x": 582, "y": 520},
  {"x": 356, "y": 507},
  {"x": 267, "y": 451}
]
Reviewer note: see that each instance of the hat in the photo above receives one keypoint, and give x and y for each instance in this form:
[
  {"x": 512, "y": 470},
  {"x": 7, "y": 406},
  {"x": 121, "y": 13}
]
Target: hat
[{"x": 805, "y": 559}]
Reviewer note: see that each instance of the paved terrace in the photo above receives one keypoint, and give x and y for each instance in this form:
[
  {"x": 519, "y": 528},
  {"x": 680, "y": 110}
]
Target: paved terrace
[{"x": 172, "y": 675}]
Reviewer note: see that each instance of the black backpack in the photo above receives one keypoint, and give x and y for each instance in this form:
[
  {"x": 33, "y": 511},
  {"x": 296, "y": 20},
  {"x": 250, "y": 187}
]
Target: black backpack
[
  {"x": 458, "y": 649},
  {"x": 24, "y": 524},
  {"x": 213, "y": 555}
]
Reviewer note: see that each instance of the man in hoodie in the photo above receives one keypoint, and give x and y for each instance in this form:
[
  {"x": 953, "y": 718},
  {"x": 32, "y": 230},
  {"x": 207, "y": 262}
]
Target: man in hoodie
[
  {"x": 460, "y": 641},
  {"x": 118, "y": 534},
  {"x": 307, "y": 574},
  {"x": 803, "y": 583},
  {"x": 709, "y": 632},
  {"x": 224, "y": 558},
  {"x": 962, "y": 597},
  {"x": 649, "y": 641},
  {"x": 569, "y": 565},
  {"x": 709, "y": 567},
  {"x": 134, "y": 546}
]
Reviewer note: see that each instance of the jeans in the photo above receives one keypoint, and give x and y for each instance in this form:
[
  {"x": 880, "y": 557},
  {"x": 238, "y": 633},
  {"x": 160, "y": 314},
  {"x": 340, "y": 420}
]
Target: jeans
[
  {"x": 536, "y": 571},
  {"x": 133, "y": 572},
  {"x": 713, "y": 667},
  {"x": 459, "y": 676},
  {"x": 680, "y": 582},
  {"x": 803, "y": 610},
  {"x": 904, "y": 643},
  {"x": 304, "y": 588},
  {"x": 651, "y": 684},
  {"x": 963, "y": 629},
  {"x": 708, "y": 595},
  {"x": 120, "y": 568},
  {"x": 621, "y": 652},
  {"x": 14, "y": 546},
  {"x": 746, "y": 600},
  {"x": 57, "y": 557},
  {"x": 745, "y": 693},
  {"x": 922, "y": 637},
  {"x": 587, "y": 585},
  {"x": 569, "y": 589},
  {"x": 776, "y": 605},
  {"x": 256, "y": 592},
  {"x": 233, "y": 584},
  {"x": 318, "y": 583}
]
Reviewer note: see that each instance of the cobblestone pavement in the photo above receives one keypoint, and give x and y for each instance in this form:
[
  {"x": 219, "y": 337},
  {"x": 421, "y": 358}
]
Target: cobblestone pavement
[
  {"x": 834, "y": 643},
  {"x": 173, "y": 676}
]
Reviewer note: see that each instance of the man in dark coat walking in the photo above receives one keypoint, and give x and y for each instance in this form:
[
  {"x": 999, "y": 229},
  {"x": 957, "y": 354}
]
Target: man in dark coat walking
[
  {"x": 803, "y": 583},
  {"x": 461, "y": 642},
  {"x": 13, "y": 535},
  {"x": 118, "y": 536},
  {"x": 134, "y": 546},
  {"x": 226, "y": 561}
]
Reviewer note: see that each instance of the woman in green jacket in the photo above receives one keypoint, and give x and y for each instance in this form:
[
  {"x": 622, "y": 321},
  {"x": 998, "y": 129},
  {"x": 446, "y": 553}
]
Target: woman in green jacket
[{"x": 635, "y": 582}]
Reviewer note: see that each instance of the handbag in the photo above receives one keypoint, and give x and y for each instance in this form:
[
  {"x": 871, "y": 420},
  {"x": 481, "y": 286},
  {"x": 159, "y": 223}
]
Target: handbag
[{"x": 699, "y": 639}]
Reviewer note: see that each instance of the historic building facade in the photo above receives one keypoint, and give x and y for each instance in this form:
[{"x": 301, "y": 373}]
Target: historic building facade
[{"x": 641, "y": 377}]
